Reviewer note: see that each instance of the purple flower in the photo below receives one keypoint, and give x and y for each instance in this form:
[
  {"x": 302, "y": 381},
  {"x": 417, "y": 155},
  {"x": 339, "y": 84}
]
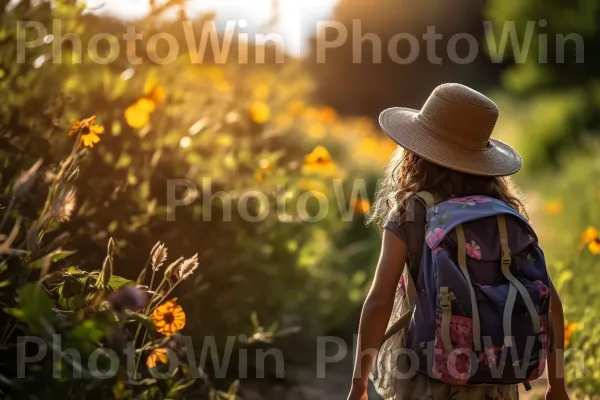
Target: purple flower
[{"x": 128, "y": 298}]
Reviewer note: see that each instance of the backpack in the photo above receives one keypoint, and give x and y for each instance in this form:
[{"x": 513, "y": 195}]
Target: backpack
[{"x": 481, "y": 314}]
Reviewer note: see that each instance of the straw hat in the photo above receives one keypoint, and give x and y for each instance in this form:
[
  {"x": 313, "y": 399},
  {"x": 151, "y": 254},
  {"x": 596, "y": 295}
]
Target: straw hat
[{"x": 453, "y": 130}]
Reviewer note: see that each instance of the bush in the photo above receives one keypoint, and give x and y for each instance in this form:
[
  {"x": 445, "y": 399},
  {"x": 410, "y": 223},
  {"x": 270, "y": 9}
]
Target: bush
[
  {"x": 233, "y": 126},
  {"x": 85, "y": 320},
  {"x": 565, "y": 209}
]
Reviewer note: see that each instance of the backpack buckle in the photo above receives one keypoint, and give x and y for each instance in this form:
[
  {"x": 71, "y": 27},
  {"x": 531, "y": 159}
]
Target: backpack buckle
[
  {"x": 506, "y": 259},
  {"x": 445, "y": 298}
]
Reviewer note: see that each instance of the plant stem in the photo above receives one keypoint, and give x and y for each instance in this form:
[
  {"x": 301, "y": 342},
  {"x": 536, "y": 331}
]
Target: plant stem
[
  {"x": 11, "y": 204},
  {"x": 137, "y": 362},
  {"x": 5, "y": 335},
  {"x": 165, "y": 296}
]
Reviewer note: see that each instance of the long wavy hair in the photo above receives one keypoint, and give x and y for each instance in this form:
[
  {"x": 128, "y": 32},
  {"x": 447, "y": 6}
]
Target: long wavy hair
[{"x": 407, "y": 174}]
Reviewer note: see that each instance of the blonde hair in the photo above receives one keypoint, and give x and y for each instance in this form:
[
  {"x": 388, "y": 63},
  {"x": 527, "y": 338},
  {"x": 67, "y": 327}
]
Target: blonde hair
[{"x": 407, "y": 174}]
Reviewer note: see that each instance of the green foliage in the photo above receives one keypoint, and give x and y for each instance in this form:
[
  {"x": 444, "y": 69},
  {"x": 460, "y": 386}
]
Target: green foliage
[
  {"x": 207, "y": 128},
  {"x": 576, "y": 189},
  {"x": 552, "y": 117},
  {"x": 92, "y": 314},
  {"x": 235, "y": 127},
  {"x": 556, "y": 78}
]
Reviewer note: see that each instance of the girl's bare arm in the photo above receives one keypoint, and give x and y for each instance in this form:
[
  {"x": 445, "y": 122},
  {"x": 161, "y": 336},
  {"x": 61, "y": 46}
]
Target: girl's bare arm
[{"x": 378, "y": 308}]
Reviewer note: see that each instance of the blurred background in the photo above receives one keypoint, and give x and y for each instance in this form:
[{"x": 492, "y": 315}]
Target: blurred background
[{"x": 252, "y": 118}]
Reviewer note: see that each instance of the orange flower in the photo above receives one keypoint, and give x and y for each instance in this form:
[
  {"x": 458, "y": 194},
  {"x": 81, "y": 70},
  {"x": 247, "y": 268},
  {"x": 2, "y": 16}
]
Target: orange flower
[
  {"x": 319, "y": 162},
  {"x": 319, "y": 156},
  {"x": 554, "y": 207},
  {"x": 89, "y": 132},
  {"x": 362, "y": 206},
  {"x": 569, "y": 329},
  {"x": 159, "y": 355},
  {"x": 169, "y": 318},
  {"x": 591, "y": 238}
]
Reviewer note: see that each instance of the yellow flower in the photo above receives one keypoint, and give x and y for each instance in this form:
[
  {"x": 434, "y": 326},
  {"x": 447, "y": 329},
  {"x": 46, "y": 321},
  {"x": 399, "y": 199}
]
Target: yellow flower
[
  {"x": 137, "y": 115},
  {"x": 153, "y": 91},
  {"x": 89, "y": 132},
  {"x": 362, "y": 206},
  {"x": 260, "y": 112},
  {"x": 554, "y": 207},
  {"x": 569, "y": 329},
  {"x": 169, "y": 318},
  {"x": 594, "y": 247},
  {"x": 591, "y": 238},
  {"x": 319, "y": 162},
  {"x": 318, "y": 156},
  {"x": 157, "y": 356},
  {"x": 590, "y": 234}
]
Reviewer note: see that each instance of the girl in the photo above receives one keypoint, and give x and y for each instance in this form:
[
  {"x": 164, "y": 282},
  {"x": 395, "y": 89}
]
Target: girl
[{"x": 446, "y": 150}]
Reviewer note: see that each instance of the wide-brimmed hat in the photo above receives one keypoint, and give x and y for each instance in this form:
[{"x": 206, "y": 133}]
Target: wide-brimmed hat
[{"x": 453, "y": 129}]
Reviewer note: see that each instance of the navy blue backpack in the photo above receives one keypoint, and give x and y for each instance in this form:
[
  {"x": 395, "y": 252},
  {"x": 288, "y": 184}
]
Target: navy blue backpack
[{"x": 481, "y": 312}]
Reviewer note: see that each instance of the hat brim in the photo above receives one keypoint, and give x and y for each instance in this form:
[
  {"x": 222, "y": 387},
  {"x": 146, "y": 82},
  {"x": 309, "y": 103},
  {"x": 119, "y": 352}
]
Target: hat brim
[{"x": 403, "y": 126}]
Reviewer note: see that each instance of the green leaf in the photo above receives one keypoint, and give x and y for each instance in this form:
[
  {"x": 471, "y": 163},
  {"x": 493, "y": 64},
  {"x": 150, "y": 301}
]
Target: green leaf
[
  {"x": 151, "y": 393},
  {"x": 55, "y": 256},
  {"x": 16, "y": 313},
  {"x": 60, "y": 254},
  {"x": 116, "y": 282},
  {"x": 88, "y": 331},
  {"x": 181, "y": 386},
  {"x": 35, "y": 305}
]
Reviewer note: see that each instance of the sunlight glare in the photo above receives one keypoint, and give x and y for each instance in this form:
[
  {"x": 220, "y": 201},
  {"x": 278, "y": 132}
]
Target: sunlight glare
[{"x": 297, "y": 19}]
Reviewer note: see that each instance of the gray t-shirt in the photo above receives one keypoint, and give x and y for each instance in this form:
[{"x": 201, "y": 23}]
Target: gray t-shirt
[{"x": 412, "y": 233}]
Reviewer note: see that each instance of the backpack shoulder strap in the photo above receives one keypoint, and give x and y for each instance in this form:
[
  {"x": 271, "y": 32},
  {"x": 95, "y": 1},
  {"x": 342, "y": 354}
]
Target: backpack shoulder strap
[
  {"x": 427, "y": 198},
  {"x": 424, "y": 197}
]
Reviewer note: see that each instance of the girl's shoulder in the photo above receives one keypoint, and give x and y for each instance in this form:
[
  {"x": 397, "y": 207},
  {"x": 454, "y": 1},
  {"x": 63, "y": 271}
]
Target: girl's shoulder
[{"x": 402, "y": 216}]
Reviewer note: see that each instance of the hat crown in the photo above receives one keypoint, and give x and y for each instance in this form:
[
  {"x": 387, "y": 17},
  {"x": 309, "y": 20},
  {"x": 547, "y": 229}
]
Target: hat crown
[{"x": 461, "y": 115}]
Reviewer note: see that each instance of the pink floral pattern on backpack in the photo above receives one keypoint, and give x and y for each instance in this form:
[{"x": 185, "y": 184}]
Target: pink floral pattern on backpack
[
  {"x": 470, "y": 200},
  {"x": 454, "y": 368},
  {"x": 434, "y": 236},
  {"x": 490, "y": 356},
  {"x": 543, "y": 290},
  {"x": 473, "y": 250}
]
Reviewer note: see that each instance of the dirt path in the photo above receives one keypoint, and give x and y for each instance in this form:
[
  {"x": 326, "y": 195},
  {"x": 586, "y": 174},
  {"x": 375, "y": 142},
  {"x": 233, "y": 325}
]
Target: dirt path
[{"x": 305, "y": 386}]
